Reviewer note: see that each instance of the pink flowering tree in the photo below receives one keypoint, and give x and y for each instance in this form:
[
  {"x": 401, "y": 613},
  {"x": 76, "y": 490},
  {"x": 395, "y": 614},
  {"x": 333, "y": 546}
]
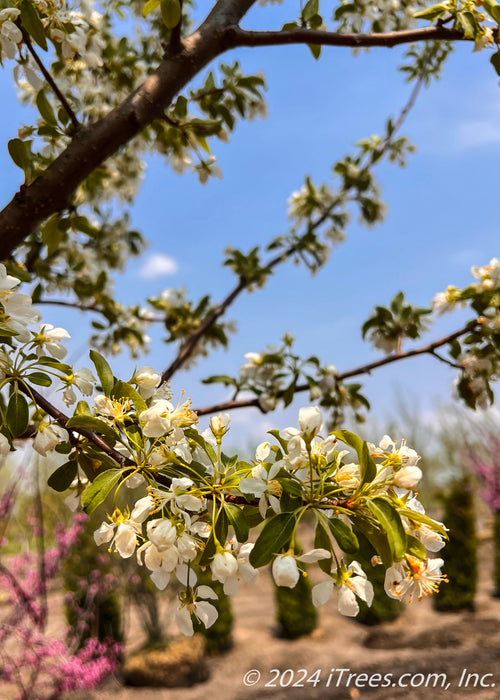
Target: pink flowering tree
[
  {"x": 109, "y": 85},
  {"x": 481, "y": 455},
  {"x": 41, "y": 665}
]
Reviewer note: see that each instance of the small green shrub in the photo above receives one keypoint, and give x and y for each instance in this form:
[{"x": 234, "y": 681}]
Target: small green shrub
[
  {"x": 383, "y": 608},
  {"x": 218, "y": 637},
  {"x": 460, "y": 553},
  {"x": 295, "y": 613}
]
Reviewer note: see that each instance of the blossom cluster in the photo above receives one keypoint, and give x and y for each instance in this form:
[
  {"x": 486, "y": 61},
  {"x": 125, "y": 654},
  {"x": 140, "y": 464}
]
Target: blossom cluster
[
  {"x": 479, "y": 356},
  {"x": 197, "y": 502}
]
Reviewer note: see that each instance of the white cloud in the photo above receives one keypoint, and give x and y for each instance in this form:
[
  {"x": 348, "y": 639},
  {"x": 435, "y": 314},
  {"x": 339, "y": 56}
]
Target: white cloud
[
  {"x": 484, "y": 132},
  {"x": 158, "y": 265}
]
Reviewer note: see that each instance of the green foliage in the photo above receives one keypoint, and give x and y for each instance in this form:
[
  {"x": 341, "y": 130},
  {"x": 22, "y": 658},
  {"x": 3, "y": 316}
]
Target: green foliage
[
  {"x": 460, "y": 552},
  {"x": 387, "y": 327},
  {"x": 295, "y": 613}
]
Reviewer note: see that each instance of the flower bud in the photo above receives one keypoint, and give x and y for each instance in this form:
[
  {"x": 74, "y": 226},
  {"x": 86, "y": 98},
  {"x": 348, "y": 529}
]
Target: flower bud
[
  {"x": 219, "y": 425},
  {"x": 310, "y": 422},
  {"x": 285, "y": 571}
]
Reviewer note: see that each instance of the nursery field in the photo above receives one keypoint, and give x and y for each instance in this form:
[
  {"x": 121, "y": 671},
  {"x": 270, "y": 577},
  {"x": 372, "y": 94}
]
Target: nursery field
[{"x": 421, "y": 642}]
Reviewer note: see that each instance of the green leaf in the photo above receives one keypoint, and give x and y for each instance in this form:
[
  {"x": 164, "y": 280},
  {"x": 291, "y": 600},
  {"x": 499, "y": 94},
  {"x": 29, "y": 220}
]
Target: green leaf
[
  {"x": 433, "y": 12},
  {"x": 495, "y": 61},
  {"x": 123, "y": 390},
  {"x": 39, "y": 378},
  {"x": 315, "y": 49},
  {"x": 493, "y": 9},
  {"x": 344, "y": 536},
  {"x": 289, "y": 392},
  {"x": 31, "y": 21},
  {"x": 149, "y": 7},
  {"x": 17, "y": 416},
  {"x": 194, "y": 435},
  {"x": 414, "y": 546},
  {"x": 311, "y": 8},
  {"x": 55, "y": 364},
  {"x": 468, "y": 23},
  {"x": 96, "y": 492},
  {"x": 171, "y": 13},
  {"x": 5, "y": 330},
  {"x": 376, "y": 537},
  {"x": 82, "y": 409},
  {"x": 291, "y": 486},
  {"x": 45, "y": 108},
  {"x": 368, "y": 468},
  {"x": 61, "y": 479},
  {"x": 20, "y": 154},
  {"x": 219, "y": 379},
  {"x": 238, "y": 521},
  {"x": 415, "y": 516},
  {"x": 52, "y": 235},
  {"x": 275, "y": 535},
  {"x": 282, "y": 442},
  {"x": 92, "y": 423},
  {"x": 323, "y": 541},
  {"x": 389, "y": 519},
  {"x": 103, "y": 372}
]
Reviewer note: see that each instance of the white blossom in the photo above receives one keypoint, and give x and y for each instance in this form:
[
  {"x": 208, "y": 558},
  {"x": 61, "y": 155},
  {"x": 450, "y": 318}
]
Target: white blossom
[{"x": 48, "y": 436}]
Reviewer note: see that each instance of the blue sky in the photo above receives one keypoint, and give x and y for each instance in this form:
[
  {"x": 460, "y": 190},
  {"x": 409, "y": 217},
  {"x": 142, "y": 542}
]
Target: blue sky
[{"x": 442, "y": 218}]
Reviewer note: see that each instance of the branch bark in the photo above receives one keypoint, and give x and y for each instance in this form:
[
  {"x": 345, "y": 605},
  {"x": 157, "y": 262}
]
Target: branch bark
[
  {"x": 62, "y": 419},
  {"x": 242, "y": 37},
  {"x": 428, "y": 349},
  {"x": 92, "y": 145}
]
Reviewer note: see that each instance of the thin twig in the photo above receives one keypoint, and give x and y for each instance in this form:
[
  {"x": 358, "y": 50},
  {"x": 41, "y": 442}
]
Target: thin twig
[
  {"x": 50, "y": 79},
  {"x": 93, "y": 307},
  {"x": 24, "y": 597},
  {"x": 428, "y": 349}
]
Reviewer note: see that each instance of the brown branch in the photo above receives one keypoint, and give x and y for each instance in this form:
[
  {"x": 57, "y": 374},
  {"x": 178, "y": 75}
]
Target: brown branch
[
  {"x": 51, "y": 192},
  {"x": 91, "y": 307},
  {"x": 62, "y": 419},
  {"x": 428, "y": 349},
  {"x": 50, "y": 79},
  {"x": 242, "y": 37}
]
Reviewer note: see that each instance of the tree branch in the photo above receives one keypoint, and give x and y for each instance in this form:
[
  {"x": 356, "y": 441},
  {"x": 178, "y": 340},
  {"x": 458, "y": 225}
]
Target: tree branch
[
  {"x": 51, "y": 192},
  {"x": 91, "y": 307},
  {"x": 242, "y": 37},
  {"x": 428, "y": 349}
]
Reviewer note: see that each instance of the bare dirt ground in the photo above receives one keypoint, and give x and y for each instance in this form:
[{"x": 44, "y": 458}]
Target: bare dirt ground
[
  {"x": 421, "y": 642},
  {"x": 436, "y": 649}
]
